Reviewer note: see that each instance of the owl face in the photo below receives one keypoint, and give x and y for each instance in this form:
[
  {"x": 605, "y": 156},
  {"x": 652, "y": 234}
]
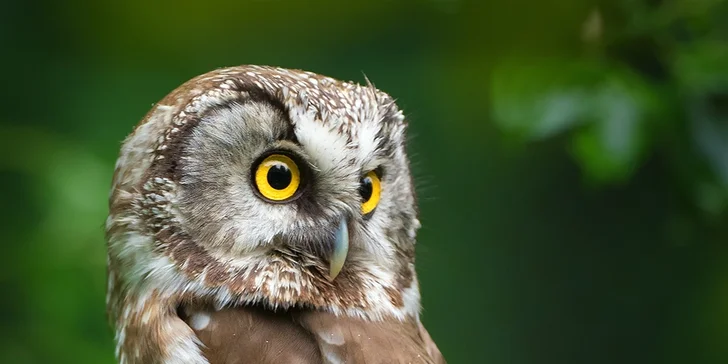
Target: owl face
[
  {"x": 261, "y": 185},
  {"x": 255, "y": 179}
]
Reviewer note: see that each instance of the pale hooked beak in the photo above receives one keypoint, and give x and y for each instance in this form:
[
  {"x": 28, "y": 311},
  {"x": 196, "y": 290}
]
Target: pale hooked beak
[{"x": 341, "y": 249}]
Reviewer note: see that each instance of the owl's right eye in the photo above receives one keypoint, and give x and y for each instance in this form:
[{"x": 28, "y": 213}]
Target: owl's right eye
[{"x": 277, "y": 177}]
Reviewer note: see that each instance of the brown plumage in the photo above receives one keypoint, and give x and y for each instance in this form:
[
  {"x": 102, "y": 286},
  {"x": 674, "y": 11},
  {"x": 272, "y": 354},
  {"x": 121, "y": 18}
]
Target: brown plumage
[
  {"x": 265, "y": 215},
  {"x": 250, "y": 335}
]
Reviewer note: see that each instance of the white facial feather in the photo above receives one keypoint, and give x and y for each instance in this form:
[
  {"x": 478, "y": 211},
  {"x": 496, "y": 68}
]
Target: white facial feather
[{"x": 327, "y": 147}]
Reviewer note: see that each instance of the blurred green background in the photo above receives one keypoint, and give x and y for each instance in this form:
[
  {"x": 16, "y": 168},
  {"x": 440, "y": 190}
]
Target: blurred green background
[{"x": 571, "y": 159}]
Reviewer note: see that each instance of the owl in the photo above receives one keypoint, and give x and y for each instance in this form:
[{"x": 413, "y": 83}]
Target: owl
[{"x": 266, "y": 215}]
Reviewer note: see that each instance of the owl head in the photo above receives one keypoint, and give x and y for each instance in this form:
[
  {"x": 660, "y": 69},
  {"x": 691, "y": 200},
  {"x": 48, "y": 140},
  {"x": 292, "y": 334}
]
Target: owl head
[{"x": 264, "y": 186}]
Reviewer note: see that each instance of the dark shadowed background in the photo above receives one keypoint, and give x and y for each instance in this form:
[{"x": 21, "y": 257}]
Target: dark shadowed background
[{"x": 571, "y": 159}]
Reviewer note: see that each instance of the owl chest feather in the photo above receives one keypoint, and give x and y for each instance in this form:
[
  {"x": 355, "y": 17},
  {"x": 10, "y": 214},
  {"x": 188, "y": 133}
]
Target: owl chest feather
[{"x": 251, "y": 335}]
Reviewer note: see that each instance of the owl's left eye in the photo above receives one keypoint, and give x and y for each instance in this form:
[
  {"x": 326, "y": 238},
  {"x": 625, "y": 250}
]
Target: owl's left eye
[
  {"x": 277, "y": 177},
  {"x": 370, "y": 189}
]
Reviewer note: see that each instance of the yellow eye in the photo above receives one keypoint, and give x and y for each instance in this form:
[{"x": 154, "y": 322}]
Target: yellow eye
[
  {"x": 277, "y": 177},
  {"x": 370, "y": 190}
]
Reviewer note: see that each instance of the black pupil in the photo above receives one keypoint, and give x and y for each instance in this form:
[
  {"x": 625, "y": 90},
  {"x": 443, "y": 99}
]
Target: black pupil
[
  {"x": 279, "y": 176},
  {"x": 365, "y": 190}
]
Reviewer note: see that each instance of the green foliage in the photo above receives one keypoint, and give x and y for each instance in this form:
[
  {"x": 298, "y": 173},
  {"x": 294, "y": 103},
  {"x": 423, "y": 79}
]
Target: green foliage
[
  {"x": 610, "y": 109},
  {"x": 650, "y": 80}
]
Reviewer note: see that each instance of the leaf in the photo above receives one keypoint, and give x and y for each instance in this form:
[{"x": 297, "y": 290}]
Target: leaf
[
  {"x": 613, "y": 145},
  {"x": 609, "y": 107},
  {"x": 540, "y": 99}
]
